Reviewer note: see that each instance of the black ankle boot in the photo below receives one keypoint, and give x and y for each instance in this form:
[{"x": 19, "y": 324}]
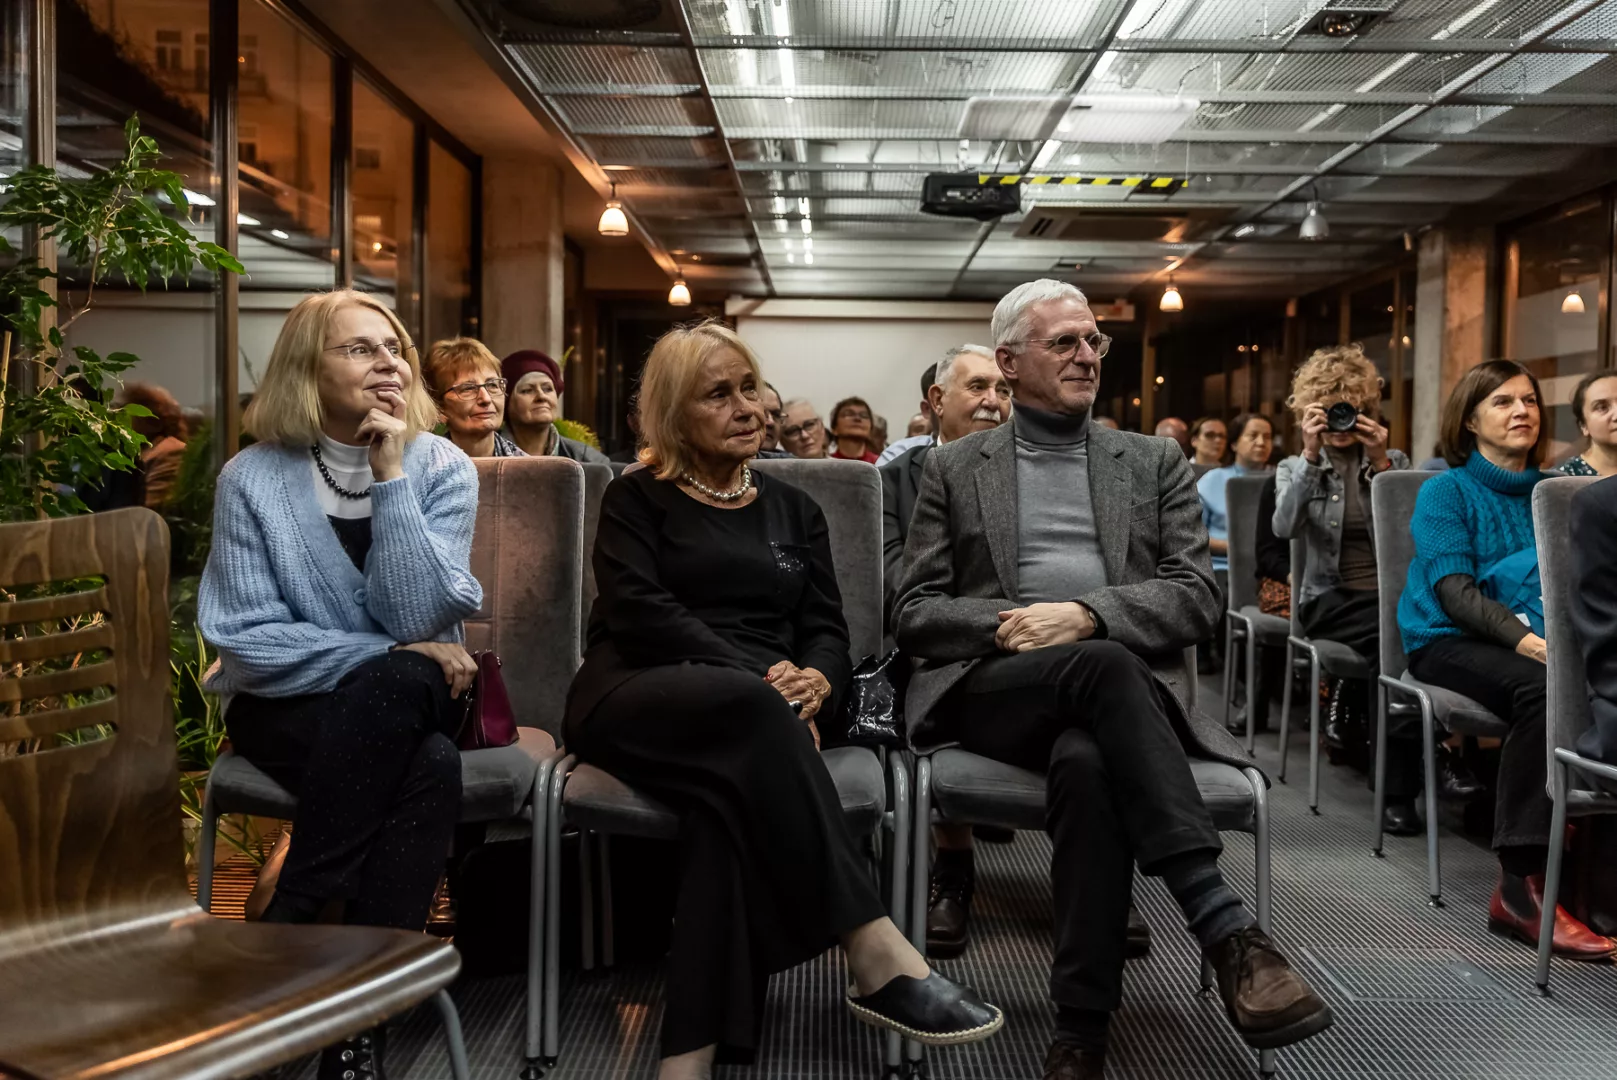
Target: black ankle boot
[{"x": 358, "y": 1058}]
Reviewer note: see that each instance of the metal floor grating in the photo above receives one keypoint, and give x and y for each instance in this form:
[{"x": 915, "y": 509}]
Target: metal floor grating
[{"x": 1417, "y": 991}]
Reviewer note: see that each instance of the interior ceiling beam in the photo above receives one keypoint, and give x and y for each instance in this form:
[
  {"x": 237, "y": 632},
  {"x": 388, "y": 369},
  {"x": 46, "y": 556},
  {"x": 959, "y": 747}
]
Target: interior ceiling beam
[
  {"x": 1197, "y": 168},
  {"x": 1353, "y": 139},
  {"x": 684, "y": 18},
  {"x": 1219, "y": 97},
  {"x": 1306, "y": 45}
]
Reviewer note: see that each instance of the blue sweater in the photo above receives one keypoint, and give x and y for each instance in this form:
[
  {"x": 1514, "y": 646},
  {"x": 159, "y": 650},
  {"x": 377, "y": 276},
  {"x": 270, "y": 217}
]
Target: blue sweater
[
  {"x": 285, "y": 606},
  {"x": 1465, "y": 520}
]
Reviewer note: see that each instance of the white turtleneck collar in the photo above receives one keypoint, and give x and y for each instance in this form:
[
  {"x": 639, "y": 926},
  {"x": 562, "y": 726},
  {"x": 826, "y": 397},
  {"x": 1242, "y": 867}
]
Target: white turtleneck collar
[{"x": 350, "y": 467}]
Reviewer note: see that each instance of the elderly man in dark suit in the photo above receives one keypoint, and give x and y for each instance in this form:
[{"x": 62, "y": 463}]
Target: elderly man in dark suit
[{"x": 1053, "y": 566}]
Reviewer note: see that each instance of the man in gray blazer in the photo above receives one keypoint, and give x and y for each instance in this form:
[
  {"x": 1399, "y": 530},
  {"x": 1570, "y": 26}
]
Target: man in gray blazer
[{"x": 1054, "y": 570}]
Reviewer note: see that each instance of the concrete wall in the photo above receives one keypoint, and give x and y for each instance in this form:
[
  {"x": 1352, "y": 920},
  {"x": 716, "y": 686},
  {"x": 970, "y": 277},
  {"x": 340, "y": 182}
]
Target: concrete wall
[
  {"x": 1456, "y": 321},
  {"x": 523, "y": 256}
]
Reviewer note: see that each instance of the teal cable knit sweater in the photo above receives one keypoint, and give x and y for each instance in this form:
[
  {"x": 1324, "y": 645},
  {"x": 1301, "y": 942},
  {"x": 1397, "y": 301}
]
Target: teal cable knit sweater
[
  {"x": 282, "y": 602},
  {"x": 1465, "y": 520}
]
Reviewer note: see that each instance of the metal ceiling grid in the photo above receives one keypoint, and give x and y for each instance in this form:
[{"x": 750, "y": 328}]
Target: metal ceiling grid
[
  {"x": 603, "y": 114},
  {"x": 790, "y": 184},
  {"x": 1417, "y": 19},
  {"x": 879, "y": 73},
  {"x": 652, "y": 151},
  {"x": 965, "y": 24},
  {"x": 837, "y": 118},
  {"x": 605, "y": 68}
]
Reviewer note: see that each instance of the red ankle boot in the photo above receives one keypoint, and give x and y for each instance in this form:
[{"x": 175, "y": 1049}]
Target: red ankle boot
[{"x": 1572, "y": 940}]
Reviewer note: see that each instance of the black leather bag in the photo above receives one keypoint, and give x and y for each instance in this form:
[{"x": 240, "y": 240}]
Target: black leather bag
[{"x": 872, "y": 711}]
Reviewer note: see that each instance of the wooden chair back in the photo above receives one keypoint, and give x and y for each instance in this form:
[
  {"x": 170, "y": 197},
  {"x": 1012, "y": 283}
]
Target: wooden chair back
[{"x": 89, "y": 782}]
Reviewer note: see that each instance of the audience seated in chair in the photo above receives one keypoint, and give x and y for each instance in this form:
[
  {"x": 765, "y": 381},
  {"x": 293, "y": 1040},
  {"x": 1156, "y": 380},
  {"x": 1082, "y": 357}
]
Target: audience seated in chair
[
  {"x": 1047, "y": 560},
  {"x": 802, "y": 434},
  {"x": 1594, "y": 404},
  {"x": 1322, "y": 496},
  {"x": 463, "y": 377},
  {"x": 1209, "y": 439},
  {"x": 1594, "y": 611},
  {"x": 339, "y": 574},
  {"x": 1466, "y": 616},
  {"x": 716, "y": 645},
  {"x": 923, "y": 426},
  {"x": 853, "y": 427},
  {"x": 1273, "y": 559},
  {"x": 968, "y": 394},
  {"x": 1253, "y": 438},
  {"x": 535, "y": 385}
]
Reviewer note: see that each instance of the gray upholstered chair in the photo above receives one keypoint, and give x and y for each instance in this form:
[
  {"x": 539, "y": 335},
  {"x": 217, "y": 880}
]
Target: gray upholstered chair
[
  {"x": 1246, "y": 623},
  {"x": 955, "y": 786},
  {"x": 599, "y": 805},
  {"x": 1567, "y": 694},
  {"x": 526, "y": 552},
  {"x": 1331, "y": 657},
  {"x": 1392, "y": 503}
]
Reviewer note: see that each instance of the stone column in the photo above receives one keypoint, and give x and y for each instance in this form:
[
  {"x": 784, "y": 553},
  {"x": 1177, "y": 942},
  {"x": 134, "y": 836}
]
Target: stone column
[
  {"x": 523, "y": 256},
  {"x": 1455, "y": 320}
]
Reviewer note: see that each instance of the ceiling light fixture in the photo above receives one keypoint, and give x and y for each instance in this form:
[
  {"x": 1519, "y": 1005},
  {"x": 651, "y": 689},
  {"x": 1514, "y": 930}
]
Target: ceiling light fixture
[
  {"x": 1573, "y": 304},
  {"x": 680, "y": 294},
  {"x": 247, "y": 219},
  {"x": 280, "y": 234},
  {"x": 1171, "y": 300},
  {"x": 1314, "y": 226},
  {"x": 808, "y": 258},
  {"x": 614, "y": 222},
  {"x": 1245, "y": 230},
  {"x": 780, "y": 18}
]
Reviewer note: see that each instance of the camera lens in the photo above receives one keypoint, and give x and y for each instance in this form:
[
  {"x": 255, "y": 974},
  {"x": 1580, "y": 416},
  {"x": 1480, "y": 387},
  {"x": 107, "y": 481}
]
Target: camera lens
[{"x": 1342, "y": 416}]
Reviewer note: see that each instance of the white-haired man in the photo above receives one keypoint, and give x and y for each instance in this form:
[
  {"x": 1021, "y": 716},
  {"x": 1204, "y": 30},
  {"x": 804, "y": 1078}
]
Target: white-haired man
[{"x": 1048, "y": 561}]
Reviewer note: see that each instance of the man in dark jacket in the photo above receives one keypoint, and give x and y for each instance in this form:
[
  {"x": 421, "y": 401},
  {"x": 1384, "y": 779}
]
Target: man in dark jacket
[{"x": 1050, "y": 562}]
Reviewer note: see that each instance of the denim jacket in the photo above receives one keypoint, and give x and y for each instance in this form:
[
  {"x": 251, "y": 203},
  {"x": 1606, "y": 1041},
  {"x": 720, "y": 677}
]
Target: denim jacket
[{"x": 1308, "y": 503}]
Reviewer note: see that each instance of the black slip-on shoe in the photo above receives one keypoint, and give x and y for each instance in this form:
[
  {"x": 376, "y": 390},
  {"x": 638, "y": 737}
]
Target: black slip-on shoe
[{"x": 933, "y": 1010}]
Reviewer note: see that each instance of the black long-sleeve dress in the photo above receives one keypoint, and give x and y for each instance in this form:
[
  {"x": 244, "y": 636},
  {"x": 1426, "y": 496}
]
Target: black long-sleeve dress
[{"x": 696, "y": 603}]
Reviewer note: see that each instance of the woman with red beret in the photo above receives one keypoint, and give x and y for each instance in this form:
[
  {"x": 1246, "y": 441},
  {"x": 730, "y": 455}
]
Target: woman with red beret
[{"x": 535, "y": 389}]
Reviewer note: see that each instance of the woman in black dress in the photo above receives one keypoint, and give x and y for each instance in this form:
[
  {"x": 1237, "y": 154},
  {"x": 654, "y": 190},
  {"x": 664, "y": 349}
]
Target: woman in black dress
[{"x": 715, "y": 642}]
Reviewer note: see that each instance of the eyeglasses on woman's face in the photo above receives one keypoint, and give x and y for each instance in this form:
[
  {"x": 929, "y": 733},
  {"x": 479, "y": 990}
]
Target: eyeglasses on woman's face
[
  {"x": 363, "y": 352},
  {"x": 798, "y": 431},
  {"x": 467, "y": 391}
]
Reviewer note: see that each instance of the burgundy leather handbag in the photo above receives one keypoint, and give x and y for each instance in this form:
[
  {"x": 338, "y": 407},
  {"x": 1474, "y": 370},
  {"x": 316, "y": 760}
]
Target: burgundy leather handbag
[{"x": 488, "y": 721}]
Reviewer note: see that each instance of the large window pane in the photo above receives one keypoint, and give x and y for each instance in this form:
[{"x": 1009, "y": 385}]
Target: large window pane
[
  {"x": 1553, "y": 313},
  {"x": 284, "y": 146},
  {"x": 145, "y": 57},
  {"x": 449, "y": 246},
  {"x": 383, "y": 172},
  {"x": 13, "y": 86}
]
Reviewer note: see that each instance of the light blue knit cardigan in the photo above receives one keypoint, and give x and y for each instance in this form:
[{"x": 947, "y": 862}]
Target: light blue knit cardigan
[{"x": 283, "y": 603}]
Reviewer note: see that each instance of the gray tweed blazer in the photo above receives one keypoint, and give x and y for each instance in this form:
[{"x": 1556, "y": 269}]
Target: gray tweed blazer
[{"x": 960, "y": 570}]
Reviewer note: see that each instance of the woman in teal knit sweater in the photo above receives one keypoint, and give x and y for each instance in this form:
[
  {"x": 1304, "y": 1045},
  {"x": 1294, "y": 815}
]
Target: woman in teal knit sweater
[
  {"x": 334, "y": 593},
  {"x": 1467, "y": 616}
]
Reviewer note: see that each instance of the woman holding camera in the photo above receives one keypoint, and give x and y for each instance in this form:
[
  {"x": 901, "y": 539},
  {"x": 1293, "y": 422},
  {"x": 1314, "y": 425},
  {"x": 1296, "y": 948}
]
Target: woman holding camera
[{"x": 1322, "y": 496}]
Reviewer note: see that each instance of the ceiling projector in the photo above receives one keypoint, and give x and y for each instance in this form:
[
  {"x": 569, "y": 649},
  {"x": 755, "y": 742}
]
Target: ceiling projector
[{"x": 965, "y": 195}]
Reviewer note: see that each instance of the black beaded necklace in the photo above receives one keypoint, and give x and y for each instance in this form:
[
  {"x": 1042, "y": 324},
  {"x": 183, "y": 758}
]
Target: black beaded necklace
[{"x": 325, "y": 474}]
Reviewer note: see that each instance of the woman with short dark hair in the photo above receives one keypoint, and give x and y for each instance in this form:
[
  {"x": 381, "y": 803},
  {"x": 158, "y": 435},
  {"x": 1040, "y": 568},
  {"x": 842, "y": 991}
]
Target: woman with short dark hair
[
  {"x": 1471, "y": 617},
  {"x": 715, "y": 647},
  {"x": 853, "y": 427},
  {"x": 1594, "y": 403}
]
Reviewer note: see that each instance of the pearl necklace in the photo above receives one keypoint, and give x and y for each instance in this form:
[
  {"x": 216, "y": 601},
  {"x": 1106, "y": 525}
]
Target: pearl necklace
[{"x": 723, "y": 496}]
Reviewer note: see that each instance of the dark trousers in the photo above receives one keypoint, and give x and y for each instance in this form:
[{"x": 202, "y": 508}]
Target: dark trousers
[
  {"x": 377, "y": 778},
  {"x": 1511, "y": 686},
  {"x": 770, "y": 876},
  {"x": 1119, "y": 790},
  {"x": 1352, "y": 617}
]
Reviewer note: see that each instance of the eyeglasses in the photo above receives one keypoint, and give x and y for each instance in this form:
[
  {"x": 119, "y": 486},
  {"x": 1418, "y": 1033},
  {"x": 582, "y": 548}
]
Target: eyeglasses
[
  {"x": 468, "y": 390},
  {"x": 854, "y": 414},
  {"x": 365, "y": 351},
  {"x": 807, "y": 427},
  {"x": 1065, "y": 347}
]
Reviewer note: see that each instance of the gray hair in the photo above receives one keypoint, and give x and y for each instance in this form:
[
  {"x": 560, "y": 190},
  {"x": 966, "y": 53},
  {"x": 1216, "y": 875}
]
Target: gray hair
[
  {"x": 946, "y": 365},
  {"x": 1012, "y": 320},
  {"x": 797, "y": 401}
]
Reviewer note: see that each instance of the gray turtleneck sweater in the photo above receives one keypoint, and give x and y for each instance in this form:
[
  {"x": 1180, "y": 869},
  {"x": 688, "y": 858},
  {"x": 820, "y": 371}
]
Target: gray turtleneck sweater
[{"x": 1058, "y": 556}]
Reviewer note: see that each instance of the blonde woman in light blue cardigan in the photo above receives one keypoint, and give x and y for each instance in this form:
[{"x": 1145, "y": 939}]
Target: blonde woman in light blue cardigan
[{"x": 334, "y": 594}]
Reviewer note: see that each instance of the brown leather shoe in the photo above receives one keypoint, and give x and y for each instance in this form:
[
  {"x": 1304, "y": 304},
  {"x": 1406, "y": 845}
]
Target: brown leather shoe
[
  {"x": 948, "y": 915},
  {"x": 1139, "y": 939},
  {"x": 1571, "y": 939},
  {"x": 1268, "y": 1003},
  {"x": 1065, "y": 1061}
]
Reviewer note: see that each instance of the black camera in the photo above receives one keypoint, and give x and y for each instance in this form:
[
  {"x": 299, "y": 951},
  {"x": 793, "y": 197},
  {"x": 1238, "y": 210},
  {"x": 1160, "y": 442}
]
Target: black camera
[{"x": 1343, "y": 416}]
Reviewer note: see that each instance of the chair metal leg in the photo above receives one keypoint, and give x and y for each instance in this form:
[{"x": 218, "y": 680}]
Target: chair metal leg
[
  {"x": 1552, "y": 877},
  {"x": 1434, "y": 869},
  {"x": 608, "y": 952},
  {"x": 898, "y": 771},
  {"x": 538, "y": 806},
  {"x": 1313, "y": 731},
  {"x": 1251, "y": 689},
  {"x": 1261, "y": 858},
  {"x": 1285, "y": 707},
  {"x": 458, "y": 1067},
  {"x": 205, "y": 843},
  {"x": 552, "y": 995},
  {"x": 586, "y": 898},
  {"x": 920, "y": 882},
  {"x": 1383, "y": 704}
]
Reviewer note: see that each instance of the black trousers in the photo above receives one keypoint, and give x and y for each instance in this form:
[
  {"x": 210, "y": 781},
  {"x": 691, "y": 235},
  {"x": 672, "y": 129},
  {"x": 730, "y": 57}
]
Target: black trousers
[
  {"x": 1352, "y": 617},
  {"x": 377, "y": 778},
  {"x": 770, "y": 876},
  {"x": 1120, "y": 790},
  {"x": 1512, "y": 687}
]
